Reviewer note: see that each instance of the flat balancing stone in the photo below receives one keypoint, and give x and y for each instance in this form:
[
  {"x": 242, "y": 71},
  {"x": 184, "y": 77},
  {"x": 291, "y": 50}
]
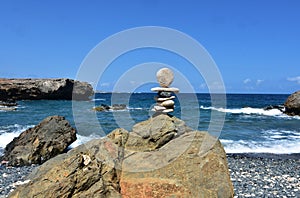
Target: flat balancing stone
[
  {"x": 164, "y": 99},
  {"x": 165, "y": 89},
  {"x": 168, "y": 103}
]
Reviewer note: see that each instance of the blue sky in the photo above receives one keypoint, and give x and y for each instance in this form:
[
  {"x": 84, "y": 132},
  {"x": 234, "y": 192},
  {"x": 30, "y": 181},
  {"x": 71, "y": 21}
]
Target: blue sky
[{"x": 254, "y": 43}]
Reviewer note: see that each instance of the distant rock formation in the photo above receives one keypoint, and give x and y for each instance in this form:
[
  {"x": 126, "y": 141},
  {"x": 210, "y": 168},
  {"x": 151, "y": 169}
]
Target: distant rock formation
[
  {"x": 161, "y": 157},
  {"x": 279, "y": 107},
  {"x": 292, "y": 104},
  {"x": 38, "y": 144},
  {"x": 114, "y": 107},
  {"x": 8, "y": 105},
  {"x": 52, "y": 89}
]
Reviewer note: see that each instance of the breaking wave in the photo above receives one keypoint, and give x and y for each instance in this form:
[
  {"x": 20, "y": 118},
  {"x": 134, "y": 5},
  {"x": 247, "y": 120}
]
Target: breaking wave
[{"x": 250, "y": 110}]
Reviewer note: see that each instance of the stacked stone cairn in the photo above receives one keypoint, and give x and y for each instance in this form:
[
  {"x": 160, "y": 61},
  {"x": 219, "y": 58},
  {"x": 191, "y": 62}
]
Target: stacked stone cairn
[{"x": 165, "y": 94}]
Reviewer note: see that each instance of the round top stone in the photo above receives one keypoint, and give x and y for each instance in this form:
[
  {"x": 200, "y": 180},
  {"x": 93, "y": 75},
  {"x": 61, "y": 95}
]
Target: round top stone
[{"x": 165, "y": 77}]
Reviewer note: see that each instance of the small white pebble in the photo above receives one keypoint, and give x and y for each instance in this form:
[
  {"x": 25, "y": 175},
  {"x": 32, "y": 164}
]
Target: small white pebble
[{"x": 19, "y": 183}]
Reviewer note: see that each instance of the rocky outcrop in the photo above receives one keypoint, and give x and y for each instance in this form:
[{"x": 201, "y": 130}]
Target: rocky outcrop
[
  {"x": 8, "y": 105},
  {"x": 89, "y": 170},
  {"x": 38, "y": 144},
  {"x": 155, "y": 132},
  {"x": 52, "y": 89},
  {"x": 279, "y": 107},
  {"x": 161, "y": 157},
  {"x": 174, "y": 162},
  {"x": 114, "y": 107},
  {"x": 176, "y": 172},
  {"x": 292, "y": 104}
]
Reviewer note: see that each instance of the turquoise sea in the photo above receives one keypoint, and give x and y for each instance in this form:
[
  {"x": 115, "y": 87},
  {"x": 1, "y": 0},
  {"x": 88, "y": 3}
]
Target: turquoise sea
[{"x": 248, "y": 126}]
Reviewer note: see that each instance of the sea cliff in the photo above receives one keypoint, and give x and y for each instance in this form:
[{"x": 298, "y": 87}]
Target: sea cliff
[{"x": 49, "y": 89}]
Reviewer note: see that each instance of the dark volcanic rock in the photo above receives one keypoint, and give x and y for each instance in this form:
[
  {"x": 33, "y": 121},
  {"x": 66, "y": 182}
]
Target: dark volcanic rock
[
  {"x": 279, "y": 107},
  {"x": 37, "y": 145},
  {"x": 114, "y": 107},
  {"x": 8, "y": 103},
  {"x": 52, "y": 89},
  {"x": 292, "y": 104},
  {"x": 161, "y": 157},
  {"x": 118, "y": 106}
]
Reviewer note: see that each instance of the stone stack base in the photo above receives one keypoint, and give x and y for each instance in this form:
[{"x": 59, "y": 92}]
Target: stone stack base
[{"x": 164, "y": 99}]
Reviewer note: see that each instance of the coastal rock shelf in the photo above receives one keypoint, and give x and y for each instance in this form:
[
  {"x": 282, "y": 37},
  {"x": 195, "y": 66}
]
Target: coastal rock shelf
[{"x": 37, "y": 89}]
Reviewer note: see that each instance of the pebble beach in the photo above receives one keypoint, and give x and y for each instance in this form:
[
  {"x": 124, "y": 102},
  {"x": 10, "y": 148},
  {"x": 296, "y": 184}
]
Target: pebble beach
[
  {"x": 269, "y": 176},
  {"x": 252, "y": 175}
]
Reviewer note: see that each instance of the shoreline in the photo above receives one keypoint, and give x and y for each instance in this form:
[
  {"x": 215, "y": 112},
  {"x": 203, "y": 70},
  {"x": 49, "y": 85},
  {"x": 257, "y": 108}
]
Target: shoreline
[
  {"x": 274, "y": 156},
  {"x": 252, "y": 175}
]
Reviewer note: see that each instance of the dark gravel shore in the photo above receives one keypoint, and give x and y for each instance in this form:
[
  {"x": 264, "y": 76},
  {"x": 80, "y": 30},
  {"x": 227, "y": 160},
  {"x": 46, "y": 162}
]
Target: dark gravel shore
[
  {"x": 11, "y": 177},
  {"x": 265, "y": 175},
  {"x": 253, "y": 175}
]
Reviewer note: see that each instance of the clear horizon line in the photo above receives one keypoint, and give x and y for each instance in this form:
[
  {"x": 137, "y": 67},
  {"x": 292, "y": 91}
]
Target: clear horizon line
[{"x": 123, "y": 92}]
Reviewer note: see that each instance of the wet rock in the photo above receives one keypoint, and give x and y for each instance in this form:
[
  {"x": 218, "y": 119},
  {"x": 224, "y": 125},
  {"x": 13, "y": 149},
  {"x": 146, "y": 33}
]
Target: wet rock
[
  {"x": 38, "y": 144},
  {"x": 102, "y": 107},
  {"x": 118, "y": 106},
  {"x": 292, "y": 104},
  {"x": 8, "y": 105},
  {"x": 279, "y": 107},
  {"x": 114, "y": 107}
]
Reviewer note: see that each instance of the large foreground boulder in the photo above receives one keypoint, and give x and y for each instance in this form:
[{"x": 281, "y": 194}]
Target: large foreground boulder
[
  {"x": 89, "y": 170},
  {"x": 37, "y": 89},
  {"x": 292, "y": 104},
  {"x": 161, "y": 157},
  {"x": 38, "y": 144},
  {"x": 179, "y": 169}
]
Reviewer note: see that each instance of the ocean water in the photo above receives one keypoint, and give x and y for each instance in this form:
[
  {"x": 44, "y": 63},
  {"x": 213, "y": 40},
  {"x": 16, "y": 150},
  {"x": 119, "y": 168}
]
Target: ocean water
[{"x": 248, "y": 127}]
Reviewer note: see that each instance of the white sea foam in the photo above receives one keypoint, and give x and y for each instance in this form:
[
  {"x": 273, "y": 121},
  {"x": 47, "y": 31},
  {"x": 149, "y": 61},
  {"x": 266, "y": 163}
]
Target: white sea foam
[
  {"x": 5, "y": 138},
  {"x": 8, "y": 133},
  {"x": 83, "y": 139},
  {"x": 127, "y": 109},
  {"x": 281, "y": 134},
  {"x": 251, "y": 111},
  {"x": 135, "y": 108},
  {"x": 99, "y": 99},
  {"x": 226, "y": 141},
  {"x": 295, "y": 137},
  {"x": 277, "y": 147},
  {"x": 5, "y": 108},
  {"x": 277, "y": 136}
]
